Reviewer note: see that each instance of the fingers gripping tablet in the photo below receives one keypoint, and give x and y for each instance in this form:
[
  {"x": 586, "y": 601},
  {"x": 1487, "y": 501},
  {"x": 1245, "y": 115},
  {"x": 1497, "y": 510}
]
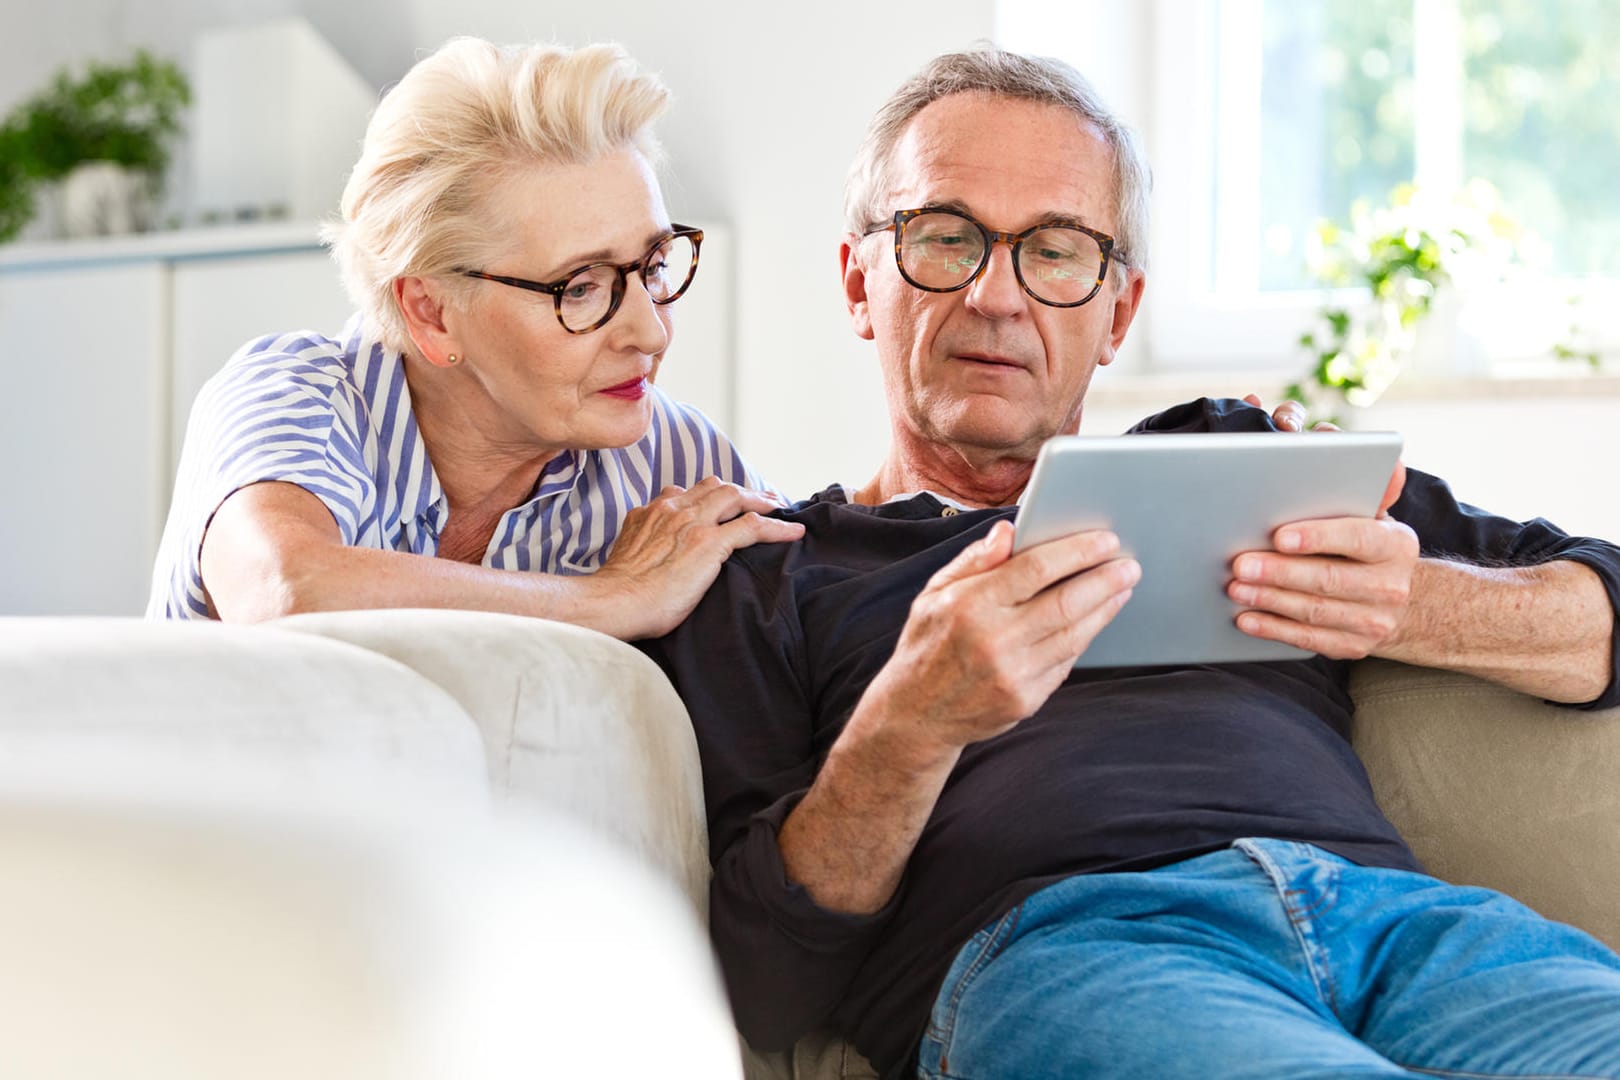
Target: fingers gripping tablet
[{"x": 1183, "y": 506}]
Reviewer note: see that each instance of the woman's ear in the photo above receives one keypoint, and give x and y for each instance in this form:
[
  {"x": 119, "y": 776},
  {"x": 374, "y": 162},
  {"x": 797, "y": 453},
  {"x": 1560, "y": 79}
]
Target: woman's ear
[{"x": 419, "y": 301}]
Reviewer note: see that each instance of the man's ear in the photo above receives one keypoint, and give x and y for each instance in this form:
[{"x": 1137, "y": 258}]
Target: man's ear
[
  {"x": 423, "y": 309},
  {"x": 849, "y": 261},
  {"x": 1127, "y": 301}
]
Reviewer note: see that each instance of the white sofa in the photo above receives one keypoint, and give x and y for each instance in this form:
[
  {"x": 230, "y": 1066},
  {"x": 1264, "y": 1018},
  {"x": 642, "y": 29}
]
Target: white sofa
[
  {"x": 467, "y": 710},
  {"x": 373, "y": 845}
]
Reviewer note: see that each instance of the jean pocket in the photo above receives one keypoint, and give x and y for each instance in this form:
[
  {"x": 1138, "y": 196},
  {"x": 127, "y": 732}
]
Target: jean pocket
[{"x": 980, "y": 949}]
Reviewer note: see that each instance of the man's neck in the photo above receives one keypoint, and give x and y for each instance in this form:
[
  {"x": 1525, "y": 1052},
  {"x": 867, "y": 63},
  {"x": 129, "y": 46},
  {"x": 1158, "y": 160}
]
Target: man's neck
[{"x": 942, "y": 470}]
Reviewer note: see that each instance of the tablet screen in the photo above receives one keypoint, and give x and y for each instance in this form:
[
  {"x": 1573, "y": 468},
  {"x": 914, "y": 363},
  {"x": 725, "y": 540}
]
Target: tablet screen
[{"x": 1184, "y": 506}]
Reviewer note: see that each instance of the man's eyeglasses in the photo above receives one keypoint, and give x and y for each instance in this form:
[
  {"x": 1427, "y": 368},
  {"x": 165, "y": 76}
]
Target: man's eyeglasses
[
  {"x": 943, "y": 250},
  {"x": 588, "y": 297}
]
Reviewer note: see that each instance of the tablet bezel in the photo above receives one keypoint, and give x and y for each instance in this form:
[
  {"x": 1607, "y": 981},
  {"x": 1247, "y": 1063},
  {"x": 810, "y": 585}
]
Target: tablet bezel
[{"x": 1184, "y": 505}]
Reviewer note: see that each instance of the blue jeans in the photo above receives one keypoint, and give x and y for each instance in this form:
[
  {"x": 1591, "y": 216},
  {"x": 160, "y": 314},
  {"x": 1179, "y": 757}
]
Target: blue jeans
[{"x": 1274, "y": 959}]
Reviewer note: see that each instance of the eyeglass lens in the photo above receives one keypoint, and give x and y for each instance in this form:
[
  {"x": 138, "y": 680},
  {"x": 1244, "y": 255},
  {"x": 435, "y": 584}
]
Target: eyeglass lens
[
  {"x": 591, "y": 293},
  {"x": 1060, "y": 265}
]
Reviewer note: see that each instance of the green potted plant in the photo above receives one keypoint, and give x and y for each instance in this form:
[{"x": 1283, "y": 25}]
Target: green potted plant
[
  {"x": 16, "y": 193},
  {"x": 1412, "y": 256},
  {"x": 120, "y": 117}
]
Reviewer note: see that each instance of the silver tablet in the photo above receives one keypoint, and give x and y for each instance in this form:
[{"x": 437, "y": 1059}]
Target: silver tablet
[{"x": 1183, "y": 506}]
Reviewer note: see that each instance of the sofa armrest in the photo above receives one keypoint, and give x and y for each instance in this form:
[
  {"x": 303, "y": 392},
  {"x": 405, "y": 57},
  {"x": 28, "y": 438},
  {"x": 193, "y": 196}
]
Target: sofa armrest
[
  {"x": 571, "y": 719},
  {"x": 1492, "y": 787},
  {"x": 114, "y": 695}
]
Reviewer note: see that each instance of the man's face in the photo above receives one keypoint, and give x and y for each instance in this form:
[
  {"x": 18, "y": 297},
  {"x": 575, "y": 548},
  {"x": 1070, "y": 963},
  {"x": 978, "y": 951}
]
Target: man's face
[{"x": 989, "y": 370}]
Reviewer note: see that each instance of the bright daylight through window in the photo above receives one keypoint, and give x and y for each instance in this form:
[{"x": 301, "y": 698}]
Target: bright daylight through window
[{"x": 1359, "y": 96}]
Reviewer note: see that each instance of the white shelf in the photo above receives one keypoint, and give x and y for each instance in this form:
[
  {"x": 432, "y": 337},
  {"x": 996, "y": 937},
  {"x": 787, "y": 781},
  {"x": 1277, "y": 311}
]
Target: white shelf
[{"x": 175, "y": 245}]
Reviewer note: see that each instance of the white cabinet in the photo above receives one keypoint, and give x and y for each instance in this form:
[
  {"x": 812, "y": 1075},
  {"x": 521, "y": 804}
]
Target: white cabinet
[
  {"x": 219, "y": 304},
  {"x": 105, "y": 344},
  {"x": 81, "y": 428}
]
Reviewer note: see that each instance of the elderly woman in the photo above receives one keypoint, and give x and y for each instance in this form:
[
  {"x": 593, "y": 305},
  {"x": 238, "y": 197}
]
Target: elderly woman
[{"x": 486, "y": 432}]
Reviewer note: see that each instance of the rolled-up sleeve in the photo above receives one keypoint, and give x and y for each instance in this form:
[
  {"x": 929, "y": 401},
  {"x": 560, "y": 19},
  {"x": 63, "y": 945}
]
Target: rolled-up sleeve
[
  {"x": 786, "y": 959},
  {"x": 738, "y": 664}
]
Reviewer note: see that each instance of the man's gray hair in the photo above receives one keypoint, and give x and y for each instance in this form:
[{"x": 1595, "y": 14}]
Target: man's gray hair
[{"x": 991, "y": 70}]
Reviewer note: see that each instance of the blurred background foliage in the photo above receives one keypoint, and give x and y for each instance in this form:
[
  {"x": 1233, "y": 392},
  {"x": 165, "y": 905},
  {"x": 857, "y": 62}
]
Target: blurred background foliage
[{"x": 1540, "y": 112}]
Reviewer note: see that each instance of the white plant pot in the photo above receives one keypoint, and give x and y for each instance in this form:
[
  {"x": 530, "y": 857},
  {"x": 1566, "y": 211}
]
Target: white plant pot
[
  {"x": 104, "y": 198},
  {"x": 1444, "y": 345}
]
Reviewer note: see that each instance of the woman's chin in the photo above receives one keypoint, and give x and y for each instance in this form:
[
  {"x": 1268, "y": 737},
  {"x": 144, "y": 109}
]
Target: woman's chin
[{"x": 622, "y": 425}]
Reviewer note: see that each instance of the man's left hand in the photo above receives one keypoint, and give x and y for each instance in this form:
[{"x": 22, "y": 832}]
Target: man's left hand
[
  {"x": 1335, "y": 586},
  {"x": 1289, "y": 415}
]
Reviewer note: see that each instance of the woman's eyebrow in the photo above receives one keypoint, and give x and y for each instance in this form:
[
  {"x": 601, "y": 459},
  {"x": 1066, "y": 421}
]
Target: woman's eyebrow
[{"x": 605, "y": 255}]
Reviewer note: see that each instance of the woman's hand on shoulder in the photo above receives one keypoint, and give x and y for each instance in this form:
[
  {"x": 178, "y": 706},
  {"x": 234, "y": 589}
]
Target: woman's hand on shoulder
[{"x": 669, "y": 552}]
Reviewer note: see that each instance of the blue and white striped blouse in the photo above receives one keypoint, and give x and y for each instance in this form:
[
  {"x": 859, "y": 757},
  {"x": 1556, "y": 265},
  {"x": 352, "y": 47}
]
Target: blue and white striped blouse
[{"x": 334, "y": 417}]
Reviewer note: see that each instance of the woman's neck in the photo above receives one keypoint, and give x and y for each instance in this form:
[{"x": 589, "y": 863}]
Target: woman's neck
[{"x": 479, "y": 475}]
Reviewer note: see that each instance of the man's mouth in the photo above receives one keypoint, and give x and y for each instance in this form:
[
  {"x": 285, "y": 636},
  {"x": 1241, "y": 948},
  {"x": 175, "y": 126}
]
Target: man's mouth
[{"x": 990, "y": 360}]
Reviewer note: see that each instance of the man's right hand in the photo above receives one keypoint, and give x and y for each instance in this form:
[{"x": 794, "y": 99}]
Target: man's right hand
[
  {"x": 987, "y": 641},
  {"x": 993, "y": 634}
]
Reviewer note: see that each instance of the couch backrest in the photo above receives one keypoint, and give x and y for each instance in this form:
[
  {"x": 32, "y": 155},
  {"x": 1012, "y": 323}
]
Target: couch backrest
[
  {"x": 123, "y": 689},
  {"x": 572, "y": 720},
  {"x": 1495, "y": 788}
]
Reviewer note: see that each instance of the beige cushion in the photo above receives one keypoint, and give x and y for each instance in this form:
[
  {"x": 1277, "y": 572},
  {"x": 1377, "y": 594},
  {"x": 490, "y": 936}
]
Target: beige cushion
[
  {"x": 572, "y": 720},
  {"x": 1494, "y": 788},
  {"x": 818, "y": 1056}
]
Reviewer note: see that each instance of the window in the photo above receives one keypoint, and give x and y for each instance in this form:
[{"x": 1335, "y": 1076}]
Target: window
[
  {"x": 1270, "y": 115},
  {"x": 1336, "y": 105}
]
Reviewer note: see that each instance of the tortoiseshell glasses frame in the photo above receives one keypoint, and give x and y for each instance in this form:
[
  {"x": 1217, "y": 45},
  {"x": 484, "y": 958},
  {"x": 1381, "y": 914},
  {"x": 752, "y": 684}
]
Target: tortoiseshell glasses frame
[
  {"x": 1058, "y": 269},
  {"x": 576, "y": 296}
]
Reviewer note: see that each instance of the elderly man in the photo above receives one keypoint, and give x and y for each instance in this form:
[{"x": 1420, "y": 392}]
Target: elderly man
[{"x": 933, "y": 834}]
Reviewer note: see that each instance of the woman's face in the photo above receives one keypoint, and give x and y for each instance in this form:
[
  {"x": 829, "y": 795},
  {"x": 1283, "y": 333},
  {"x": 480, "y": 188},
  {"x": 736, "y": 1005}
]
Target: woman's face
[{"x": 542, "y": 387}]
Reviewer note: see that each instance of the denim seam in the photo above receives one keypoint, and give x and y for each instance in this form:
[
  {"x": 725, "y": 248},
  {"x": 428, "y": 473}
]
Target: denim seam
[
  {"x": 1465, "y": 1075},
  {"x": 1310, "y": 948},
  {"x": 992, "y": 936},
  {"x": 996, "y": 938}
]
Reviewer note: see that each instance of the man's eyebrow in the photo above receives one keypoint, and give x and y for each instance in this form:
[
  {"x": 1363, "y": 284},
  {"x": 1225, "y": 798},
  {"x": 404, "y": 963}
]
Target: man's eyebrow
[
  {"x": 1068, "y": 219},
  {"x": 1054, "y": 218}
]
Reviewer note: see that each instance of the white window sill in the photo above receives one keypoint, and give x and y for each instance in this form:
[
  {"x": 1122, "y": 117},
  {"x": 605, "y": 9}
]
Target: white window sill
[{"x": 1538, "y": 379}]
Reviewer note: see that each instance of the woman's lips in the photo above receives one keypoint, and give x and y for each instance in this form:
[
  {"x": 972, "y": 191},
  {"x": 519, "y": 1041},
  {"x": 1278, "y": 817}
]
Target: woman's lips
[{"x": 628, "y": 391}]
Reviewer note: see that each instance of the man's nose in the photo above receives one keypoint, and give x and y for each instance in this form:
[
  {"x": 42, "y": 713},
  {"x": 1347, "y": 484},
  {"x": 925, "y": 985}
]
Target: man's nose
[{"x": 995, "y": 293}]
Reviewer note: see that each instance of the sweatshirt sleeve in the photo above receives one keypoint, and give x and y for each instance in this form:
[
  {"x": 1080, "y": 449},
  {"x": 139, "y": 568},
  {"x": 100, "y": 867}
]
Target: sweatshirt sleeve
[{"x": 738, "y": 663}]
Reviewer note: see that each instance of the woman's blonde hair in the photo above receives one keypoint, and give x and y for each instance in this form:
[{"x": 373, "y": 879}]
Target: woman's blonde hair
[{"x": 445, "y": 136}]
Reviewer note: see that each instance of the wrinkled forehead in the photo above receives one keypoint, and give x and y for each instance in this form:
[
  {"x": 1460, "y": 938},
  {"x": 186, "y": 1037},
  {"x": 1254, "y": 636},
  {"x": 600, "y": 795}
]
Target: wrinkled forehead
[{"x": 1009, "y": 162}]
